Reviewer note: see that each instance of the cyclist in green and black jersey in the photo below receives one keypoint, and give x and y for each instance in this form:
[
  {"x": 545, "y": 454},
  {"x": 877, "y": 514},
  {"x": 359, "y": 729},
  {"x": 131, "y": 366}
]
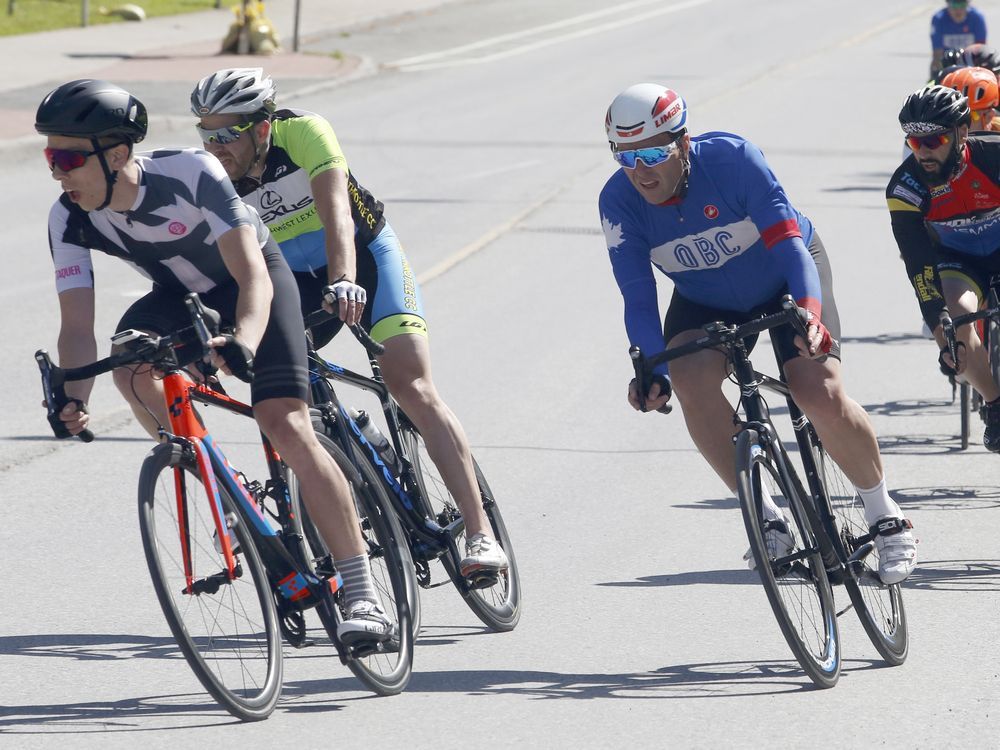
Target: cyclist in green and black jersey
[{"x": 289, "y": 165}]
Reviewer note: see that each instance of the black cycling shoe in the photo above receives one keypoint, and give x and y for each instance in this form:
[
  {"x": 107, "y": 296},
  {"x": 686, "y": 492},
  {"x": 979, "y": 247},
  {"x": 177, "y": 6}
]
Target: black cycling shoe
[{"x": 991, "y": 415}]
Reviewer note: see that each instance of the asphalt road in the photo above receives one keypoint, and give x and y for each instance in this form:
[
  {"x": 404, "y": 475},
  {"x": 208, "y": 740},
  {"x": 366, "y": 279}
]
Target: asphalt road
[{"x": 482, "y": 133}]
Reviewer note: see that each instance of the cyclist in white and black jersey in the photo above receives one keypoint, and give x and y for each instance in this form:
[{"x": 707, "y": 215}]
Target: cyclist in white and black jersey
[
  {"x": 334, "y": 235},
  {"x": 175, "y": 216}
]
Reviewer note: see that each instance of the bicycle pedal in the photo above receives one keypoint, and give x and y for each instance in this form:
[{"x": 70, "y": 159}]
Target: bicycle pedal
[
  {"x": 300, "y": 642},
  {"x": 483, "y": 580},
  {"x": 363, "y": 649}
]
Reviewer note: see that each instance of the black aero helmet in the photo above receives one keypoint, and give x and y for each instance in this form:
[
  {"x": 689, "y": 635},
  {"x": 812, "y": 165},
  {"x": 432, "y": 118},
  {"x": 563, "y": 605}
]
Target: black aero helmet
[
  {"x": 982, "y": 56},
  {"x": 933, "y": 109},
  {"x": 92, "y": 109},
  {"x": 944, "y": 72}
]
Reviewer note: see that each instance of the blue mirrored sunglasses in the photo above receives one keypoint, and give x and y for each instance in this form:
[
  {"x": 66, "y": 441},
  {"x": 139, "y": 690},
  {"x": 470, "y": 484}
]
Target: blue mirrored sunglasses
[
  {"x": 222, "y": 136},
  {"x": 649, "y": 156}
]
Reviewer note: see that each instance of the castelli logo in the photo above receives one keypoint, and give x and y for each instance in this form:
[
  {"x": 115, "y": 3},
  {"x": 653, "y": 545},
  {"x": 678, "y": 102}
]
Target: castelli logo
[
  {"x": 711, "y": 212},
  {"x": 176, "y": 228}
]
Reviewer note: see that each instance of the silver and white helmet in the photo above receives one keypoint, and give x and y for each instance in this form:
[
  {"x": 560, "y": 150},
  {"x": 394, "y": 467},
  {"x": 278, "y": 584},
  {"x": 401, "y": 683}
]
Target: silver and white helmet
[{"x": 234, "y": 91}]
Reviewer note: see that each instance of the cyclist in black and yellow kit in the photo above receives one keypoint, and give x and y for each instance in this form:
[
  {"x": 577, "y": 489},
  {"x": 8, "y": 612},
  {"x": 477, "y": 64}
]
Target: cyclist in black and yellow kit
[
  {"x": 289, "y": 166},
  {"x": 944, "y": 204}
]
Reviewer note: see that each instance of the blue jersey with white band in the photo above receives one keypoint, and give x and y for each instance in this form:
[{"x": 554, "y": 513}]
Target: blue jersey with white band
[
  {"x": 733, "y": 242},
  {"x": 948, "y": 34}
]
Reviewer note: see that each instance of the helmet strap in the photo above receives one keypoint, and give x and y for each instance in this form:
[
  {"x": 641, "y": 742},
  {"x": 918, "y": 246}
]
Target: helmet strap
[
  {"x": 951, "y": 164},
  {"x": 247, "y": 183},
  {"x": 110, "y": 175}
]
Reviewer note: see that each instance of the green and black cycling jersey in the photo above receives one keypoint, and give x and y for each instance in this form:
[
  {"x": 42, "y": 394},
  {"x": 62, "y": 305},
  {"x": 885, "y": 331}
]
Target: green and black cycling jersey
[{"x": 303, "y": 145}]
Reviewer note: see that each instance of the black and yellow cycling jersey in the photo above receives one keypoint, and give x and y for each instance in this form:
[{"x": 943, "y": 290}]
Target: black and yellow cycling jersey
[{"x": 304, "y": 145}]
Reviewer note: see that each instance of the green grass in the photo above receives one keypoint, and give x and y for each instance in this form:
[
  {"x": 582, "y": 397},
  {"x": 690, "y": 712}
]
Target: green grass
[{"x": 44, "y": 15}]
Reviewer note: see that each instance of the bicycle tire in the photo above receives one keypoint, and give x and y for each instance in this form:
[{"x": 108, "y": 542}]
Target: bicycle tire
[
  {"x": 879, "y": 606},
  {"x": 964, "y": 400},
  {"x": 230, "y": 637},
  {"x": 386, "y": 672},
  {"x": 497, "y": 606},
  {"x": 798, "y": 590},
  {"x": 993, "y": 338}
]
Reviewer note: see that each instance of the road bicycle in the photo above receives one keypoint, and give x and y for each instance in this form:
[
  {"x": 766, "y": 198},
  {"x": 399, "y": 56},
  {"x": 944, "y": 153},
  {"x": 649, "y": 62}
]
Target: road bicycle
[
  {"x": 987, "y": 321},
  {"x": 398, "y": 467},
  {"x": 226, "y": 554},
  {"x": 832, "y": 543}
]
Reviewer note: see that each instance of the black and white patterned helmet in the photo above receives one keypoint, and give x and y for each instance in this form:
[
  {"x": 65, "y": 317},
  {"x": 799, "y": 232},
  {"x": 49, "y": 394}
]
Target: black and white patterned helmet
[{"x": 933, "y": 109}]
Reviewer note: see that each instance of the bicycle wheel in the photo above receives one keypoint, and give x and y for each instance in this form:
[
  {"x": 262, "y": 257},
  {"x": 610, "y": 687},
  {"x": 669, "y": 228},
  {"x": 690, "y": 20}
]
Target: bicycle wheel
[
  {"x": 228, "y": 629},
  {"x": 386, "y": 671},
  {"x": 498, "y": 606},
  {"x": 964, "y": 402},
  {"x": 795, "y": 582},
  {"x": 993, "y": 338},
  {"x": 879, "y": 607}
]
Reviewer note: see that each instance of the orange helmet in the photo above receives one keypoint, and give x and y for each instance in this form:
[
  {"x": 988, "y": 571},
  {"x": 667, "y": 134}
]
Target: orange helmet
[{"x": 979, "y": 85}]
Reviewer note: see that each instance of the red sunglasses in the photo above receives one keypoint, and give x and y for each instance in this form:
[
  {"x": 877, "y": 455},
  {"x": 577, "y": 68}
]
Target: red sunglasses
[
  {"x": 928, "y": 141},
  {"x": 67, "y": 159}
]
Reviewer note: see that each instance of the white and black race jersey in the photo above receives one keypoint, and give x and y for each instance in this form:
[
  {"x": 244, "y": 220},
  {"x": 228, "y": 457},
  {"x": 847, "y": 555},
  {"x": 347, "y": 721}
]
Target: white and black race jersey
[{"x": 185, "y": 203}]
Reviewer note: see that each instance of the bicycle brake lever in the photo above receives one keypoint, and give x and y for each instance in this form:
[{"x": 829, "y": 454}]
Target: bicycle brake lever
[
  {"x": 365, "y": 339},
  {"x": 54, "y": 392}
]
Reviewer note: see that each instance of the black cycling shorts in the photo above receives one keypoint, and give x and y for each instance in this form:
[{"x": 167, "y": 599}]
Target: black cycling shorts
[
  {"x": 685, "y": 315},
  {"x": 976, "y": 271},
  {"x": 280, "y": 369}
]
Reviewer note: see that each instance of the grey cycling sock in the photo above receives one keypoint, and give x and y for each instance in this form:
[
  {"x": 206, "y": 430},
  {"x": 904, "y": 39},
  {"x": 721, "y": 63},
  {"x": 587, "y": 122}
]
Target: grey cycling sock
[{"x": 358, "y": 585}]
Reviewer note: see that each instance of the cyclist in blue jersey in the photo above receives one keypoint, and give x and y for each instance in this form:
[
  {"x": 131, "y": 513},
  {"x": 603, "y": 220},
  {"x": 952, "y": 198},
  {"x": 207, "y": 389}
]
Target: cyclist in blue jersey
[
  {"x": 953, "y": 28},
  {"x": 708, "y": 212},
  {"x": 289, "y": 166},
  {"x": 175, "y": 216},
  {"x": 944, "y": 203}
]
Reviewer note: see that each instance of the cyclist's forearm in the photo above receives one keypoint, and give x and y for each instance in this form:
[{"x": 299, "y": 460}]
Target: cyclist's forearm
[
  {"x": 244, "y": 260},
  {"x": 76, "y": 349},
  {"x": 333, "y": 204},
  {"x": 252, "y": 310}
]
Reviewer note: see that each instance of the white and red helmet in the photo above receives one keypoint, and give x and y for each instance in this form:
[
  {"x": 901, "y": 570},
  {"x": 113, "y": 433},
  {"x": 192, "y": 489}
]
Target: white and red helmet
[{"x": 644, "y": 110}]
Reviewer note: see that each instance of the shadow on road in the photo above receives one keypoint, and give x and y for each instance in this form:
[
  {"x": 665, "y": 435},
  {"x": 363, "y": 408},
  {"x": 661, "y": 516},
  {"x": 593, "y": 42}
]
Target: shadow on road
[
  {"x": 919, "y": 445},
  {"x": 897, "y": 337},
  {"x": 691, "y": 578},
  {"x": 956, "y": 575},
  {"x": 698, "y": 680},
  {"x": 948, "y": 498}
]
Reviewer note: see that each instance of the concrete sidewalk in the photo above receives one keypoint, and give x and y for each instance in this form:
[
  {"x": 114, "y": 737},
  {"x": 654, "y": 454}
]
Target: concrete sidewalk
[{"x": 178, "y": 49}]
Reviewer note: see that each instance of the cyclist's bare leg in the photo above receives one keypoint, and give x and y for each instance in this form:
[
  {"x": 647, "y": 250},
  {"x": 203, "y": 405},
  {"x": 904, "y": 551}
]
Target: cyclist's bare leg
[
  {"x": 697, "y": 382},
  {"x": 286, "y": 422},
  {"x": 842, "y": 425},
  {"x": 406, "y": 367},
  {"x": 325, "y": 490},
  {"x": 962, "y": 299},
  {"x": 144, "y": 393}
]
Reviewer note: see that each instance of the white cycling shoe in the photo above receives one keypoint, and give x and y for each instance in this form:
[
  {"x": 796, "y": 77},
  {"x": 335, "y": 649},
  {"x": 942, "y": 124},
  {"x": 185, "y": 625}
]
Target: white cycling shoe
[
  {"x": 779, "y": 538},
  {"x": 897, "y": 549}
]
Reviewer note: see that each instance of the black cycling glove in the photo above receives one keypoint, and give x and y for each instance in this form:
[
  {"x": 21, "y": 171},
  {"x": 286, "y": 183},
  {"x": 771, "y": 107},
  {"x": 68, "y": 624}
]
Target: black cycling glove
[{"x": 238, "y": 358}]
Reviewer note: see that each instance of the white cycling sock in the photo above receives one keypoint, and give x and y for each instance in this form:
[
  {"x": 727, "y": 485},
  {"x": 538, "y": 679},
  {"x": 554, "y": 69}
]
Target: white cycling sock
[
  {"x": 878, "y": 504},
  {"x": 357, "y": 574}
]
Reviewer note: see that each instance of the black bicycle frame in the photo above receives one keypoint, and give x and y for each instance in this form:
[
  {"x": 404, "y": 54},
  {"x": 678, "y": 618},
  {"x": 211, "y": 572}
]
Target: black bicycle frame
[{"x": 429, "y": 539}]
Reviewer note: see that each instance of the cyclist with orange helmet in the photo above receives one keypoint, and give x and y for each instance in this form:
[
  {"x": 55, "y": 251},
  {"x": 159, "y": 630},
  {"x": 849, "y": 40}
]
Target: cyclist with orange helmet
[{"x": 979, "y": 86}]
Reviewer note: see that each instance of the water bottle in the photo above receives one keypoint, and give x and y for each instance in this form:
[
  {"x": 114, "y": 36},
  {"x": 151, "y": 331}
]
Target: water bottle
[{"x": 377, "y": 440}]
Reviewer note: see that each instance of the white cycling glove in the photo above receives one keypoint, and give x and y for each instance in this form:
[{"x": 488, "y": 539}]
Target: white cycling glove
[{"x": 345, "y": 290}]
